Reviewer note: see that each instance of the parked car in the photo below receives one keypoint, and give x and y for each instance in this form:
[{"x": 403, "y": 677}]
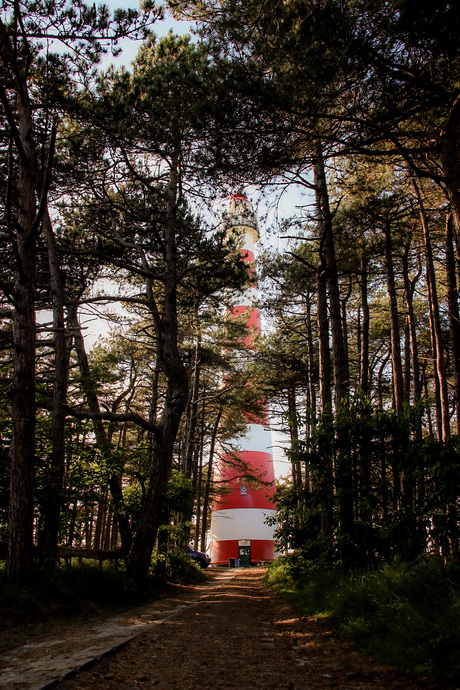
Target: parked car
[{"x": 199, "y": 557}]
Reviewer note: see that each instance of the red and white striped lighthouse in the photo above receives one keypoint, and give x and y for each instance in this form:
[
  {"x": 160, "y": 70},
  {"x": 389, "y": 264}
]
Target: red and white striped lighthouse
[{"x": 238, "y": 528}]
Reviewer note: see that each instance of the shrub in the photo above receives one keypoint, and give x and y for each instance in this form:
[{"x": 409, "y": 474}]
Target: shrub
[
  {"x": 175, "y": 566},
  {"x": 405, "y": 614}
]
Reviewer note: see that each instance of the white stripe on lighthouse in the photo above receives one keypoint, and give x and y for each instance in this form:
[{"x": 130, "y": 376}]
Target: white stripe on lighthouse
[
  {"x": 257, "y": 438},
  {"x": 246, "y": 298},
  {"x": 241, "y": 523}
]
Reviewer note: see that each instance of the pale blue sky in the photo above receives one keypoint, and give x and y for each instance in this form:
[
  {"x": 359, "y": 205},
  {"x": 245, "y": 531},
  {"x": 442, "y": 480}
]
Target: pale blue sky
[{"x": 130, "y": 47}]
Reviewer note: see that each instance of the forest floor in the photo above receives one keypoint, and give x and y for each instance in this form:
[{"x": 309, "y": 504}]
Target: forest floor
[{"x": 230, "y": 632}]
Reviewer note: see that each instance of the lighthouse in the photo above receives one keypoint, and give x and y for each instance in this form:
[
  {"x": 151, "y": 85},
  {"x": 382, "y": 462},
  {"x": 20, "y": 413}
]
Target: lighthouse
[{"x": 238, "y": 519}]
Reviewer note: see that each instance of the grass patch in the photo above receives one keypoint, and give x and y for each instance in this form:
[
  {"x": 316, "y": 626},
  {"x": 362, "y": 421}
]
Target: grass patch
[
  {"x": 405, "y": 615},
  {"x": 67, "y": 594}
]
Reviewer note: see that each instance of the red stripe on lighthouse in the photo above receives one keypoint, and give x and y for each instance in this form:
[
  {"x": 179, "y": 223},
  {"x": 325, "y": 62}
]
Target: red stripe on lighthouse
[{"x": 261, "y": 550}]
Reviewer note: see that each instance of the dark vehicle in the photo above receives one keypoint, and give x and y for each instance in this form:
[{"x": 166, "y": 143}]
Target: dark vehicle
[{"x": 199, "y": 557}]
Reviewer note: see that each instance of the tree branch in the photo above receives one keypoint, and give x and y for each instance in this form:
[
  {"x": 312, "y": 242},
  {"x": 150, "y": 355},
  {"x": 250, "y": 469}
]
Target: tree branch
[{"x": 113, "y": 417}]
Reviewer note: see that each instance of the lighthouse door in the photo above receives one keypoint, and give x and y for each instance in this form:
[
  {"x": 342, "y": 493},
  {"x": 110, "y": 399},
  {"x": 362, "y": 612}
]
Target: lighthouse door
[{"x": 244, "y": 554}]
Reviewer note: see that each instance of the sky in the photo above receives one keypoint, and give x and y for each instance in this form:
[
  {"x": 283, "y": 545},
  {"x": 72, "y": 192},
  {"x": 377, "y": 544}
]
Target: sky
[{"x": 161, "y": 28}]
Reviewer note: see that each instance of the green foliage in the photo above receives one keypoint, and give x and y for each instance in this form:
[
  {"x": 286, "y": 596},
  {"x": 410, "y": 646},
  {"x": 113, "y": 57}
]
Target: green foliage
[
  {"x": 175, "y": 566},
  {"x": 179, "y": 494},
  {"x": 80, "y": 591},
  {"x": 355, "y": 460},
  {"x": 66, "y": 591},
  {"x": 406, "y": 615}
]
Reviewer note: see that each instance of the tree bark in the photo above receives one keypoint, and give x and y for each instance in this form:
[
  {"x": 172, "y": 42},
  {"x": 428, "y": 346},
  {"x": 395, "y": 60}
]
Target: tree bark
[
  {"x": 450, "y": 160},
  {"x": 199, "y": 482},
  {"x": 324, "y": 221},
  {"x": 294, "y": 436},
  {"x": 325, "y": 392},
  {"x": 365, "y": 324},
  {"x": 398, "y": 381},
  {"x": 454, "y": 317},
  {"x": 52, "y": 505},
  {"x": 192, "y": 413},
  {"x": 409, "y": 288},
  {"x": 312, "y": 374},
  {"x": 435, "y": 320},
  {"x": 170, "y": 362},
  {"x": 207, "y": 493},
  {"x": 22, "y": 229}
]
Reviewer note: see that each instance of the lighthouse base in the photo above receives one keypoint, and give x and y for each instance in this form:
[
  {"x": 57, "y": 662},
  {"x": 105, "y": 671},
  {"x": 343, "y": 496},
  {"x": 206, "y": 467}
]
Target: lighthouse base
[{"x": 248, "y": 552}]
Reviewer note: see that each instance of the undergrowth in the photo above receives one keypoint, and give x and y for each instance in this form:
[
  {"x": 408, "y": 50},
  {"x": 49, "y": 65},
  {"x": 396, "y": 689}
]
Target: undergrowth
[
  {"x": 407, "y": 615},
  {"x": 68, "y": 593}
]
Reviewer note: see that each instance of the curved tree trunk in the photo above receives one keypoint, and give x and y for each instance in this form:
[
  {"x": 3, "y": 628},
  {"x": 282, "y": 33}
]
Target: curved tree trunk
[{"x": 175, "y": 401}]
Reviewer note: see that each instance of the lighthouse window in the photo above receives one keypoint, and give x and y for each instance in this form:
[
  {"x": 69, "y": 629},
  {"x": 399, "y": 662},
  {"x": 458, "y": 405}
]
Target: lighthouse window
[{"x": 243, "y": 490}]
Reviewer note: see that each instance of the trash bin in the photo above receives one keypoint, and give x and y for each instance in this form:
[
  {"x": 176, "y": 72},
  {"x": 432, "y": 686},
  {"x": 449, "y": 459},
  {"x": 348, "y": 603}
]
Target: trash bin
[
  {"x": 237, "y": 562},
  {"x": 231, "y": 562}
]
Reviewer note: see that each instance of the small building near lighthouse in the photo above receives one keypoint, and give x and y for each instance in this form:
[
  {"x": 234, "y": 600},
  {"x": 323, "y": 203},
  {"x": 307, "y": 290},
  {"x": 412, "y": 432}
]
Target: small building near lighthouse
[{"x": 238, "y": 519}]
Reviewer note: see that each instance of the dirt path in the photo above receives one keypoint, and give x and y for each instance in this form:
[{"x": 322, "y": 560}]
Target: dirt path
[{"x": 233, "y": 633}]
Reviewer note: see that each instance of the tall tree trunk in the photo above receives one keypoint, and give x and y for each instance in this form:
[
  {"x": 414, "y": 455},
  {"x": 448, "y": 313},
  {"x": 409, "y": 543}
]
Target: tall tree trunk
[
  {"x": 365, "y": 324},
  {"x": 100, "y": 518},
  {"x": 325, "y": 392},
  {"x": 380, "y": 378},
  {"x": 339, "y": 348},
  {"x": 398, "y": 381},
  {"x": 428, "y": 407},
  {"x": 436, "y": 320},
  {"x": 454, "y": 317},
  {"x": 312, "y": 376},
  {"x": 199, "y": 483},
  {"x": 343, "y": 316},
  {"x": 23, "y": 229},
  {"x": 175, "y": 401},
  {"x": 407, "y": 361},
  {"x": 324, "y": 221},
  {"x": 437, "y": 385},
  {"x": 54, "y": 488},
  {"x": 207, "y": 493},
  {"x": 409, "y": 288},
  {"x": 294, "y": 436},
  {"x": 325, "y": 480},
  {"x": 191, "y": 413},
  {"x": 450, "y": 160}
]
